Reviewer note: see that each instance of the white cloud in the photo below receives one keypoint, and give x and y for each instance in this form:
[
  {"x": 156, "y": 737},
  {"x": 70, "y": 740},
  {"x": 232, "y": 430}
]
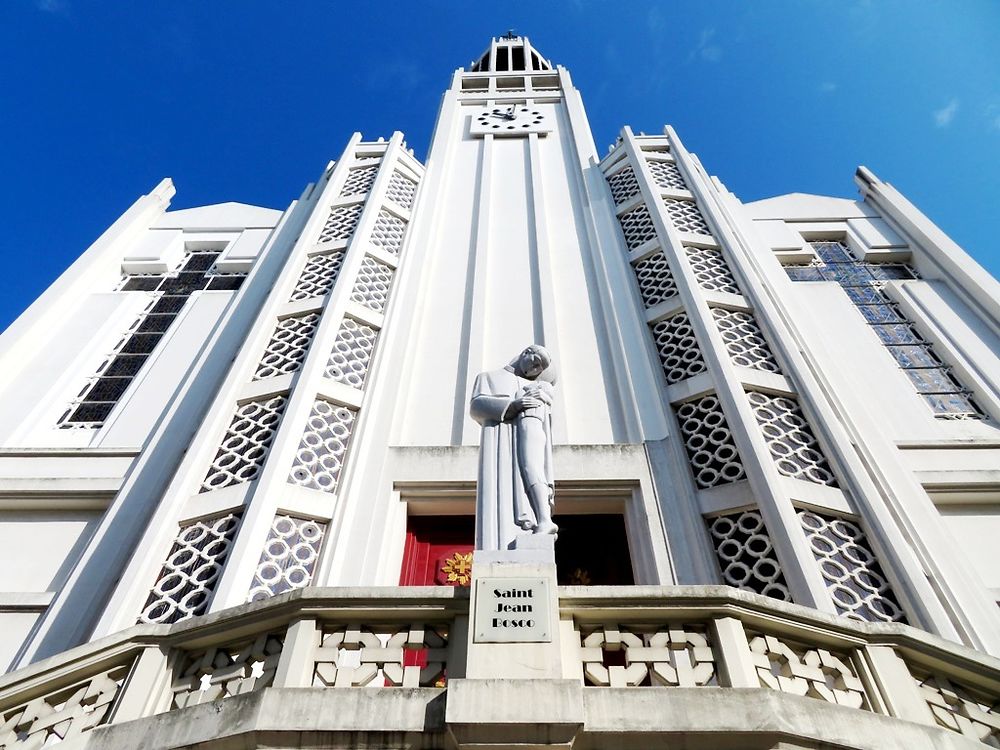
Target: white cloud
[
  {"x": 944, "y": 116},
  {"x": 705, "y": 50},
  {"x": 828, "y": 87},
  {"x": 655, "y": 19},
  {"x": 52, "y": 6}
]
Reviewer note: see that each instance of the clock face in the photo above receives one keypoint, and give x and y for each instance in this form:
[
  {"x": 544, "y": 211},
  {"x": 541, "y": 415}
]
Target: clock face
[{"x": 512, "y": 120}]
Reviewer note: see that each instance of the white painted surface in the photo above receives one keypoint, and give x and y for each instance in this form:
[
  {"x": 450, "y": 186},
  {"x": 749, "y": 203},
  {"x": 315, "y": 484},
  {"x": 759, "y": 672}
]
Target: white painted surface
[
  {"x": 976, "y": 529},
  {"x": 38, "y": 548},
  {"x": 16, "y": 627}
]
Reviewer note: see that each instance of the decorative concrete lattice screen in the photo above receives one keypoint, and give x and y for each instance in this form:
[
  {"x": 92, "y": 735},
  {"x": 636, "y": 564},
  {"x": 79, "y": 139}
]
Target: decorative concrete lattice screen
[
  {"x": 287, "y": 347},
  {"x": 223, "y": 671},
  {"x": 666, "y": 174},
  {"x": 674, "y": 655},
  {"x": 711, "y": 270},
  {"x": 371, "y": 288},
  {"x": 323, "y": 448},
  {"x": 855, "y": 579},
  {"x": 359, "y": 181},
  {"x": 656, "y": 283},
  {"x": 401, "y": 190},
  {"x": 388, "y": 232},
  {"x": 289, "y": 556},
  {"x": 352, "y": 352},
  {"x": 341, "y": 223},
  {"x": 709, "y": 442},
  {"x": 793, "y": 446},
  {"x": 744, "y": 341},
  {"x": 678, "y": 348},
  {"x": 64, "y": 714},
  {"x": 685, "y": 216},
  {"x": 359, "y": 656},
  {"x": 190, "y": 572},
  {"x": 960, "y": 708},
  {"x": 246, "y": 443},
  {"x": 746, "y": 554},
  {"x": 803, "y": 670},
  {"x": 637, "y": 225},
  {"x": 318, "y": 276},
  {"x": 623, "y": 185}
]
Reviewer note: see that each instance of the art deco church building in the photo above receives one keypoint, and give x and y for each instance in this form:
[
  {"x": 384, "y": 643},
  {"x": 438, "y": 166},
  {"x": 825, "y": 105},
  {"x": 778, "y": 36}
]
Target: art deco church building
[{"x": 238, "y": 471}]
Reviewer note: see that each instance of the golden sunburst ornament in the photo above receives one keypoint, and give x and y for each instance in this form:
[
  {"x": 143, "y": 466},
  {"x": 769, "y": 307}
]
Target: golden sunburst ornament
[
  {"x": 458, "y": 569},
  {"x": 580, "y": 577}
]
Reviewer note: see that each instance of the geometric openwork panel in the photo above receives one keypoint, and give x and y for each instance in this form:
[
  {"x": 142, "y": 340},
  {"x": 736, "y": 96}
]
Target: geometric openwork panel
[
  {"x": 352, "y": 351},
  {"x": 711, "y": 270},
  {"x": 709, "y": 442},
  {"x": 678, "y": 348},
  {"x": 671, "y": 655},
  {"x": 288, "y": 558},
  {"x": 287, "y": 347},
  {"x": 400, "y": 655},
  {"x": 666, "y": 174},
  {"x": 246, "y": 443},
  {"x": 656, "y": 283},
  {"x": 171, "y": 291},
  {"x": 685, "y": 216},
  {"x": 64, "y": 714},
  {"x": 223, "y": 671},
  {"x": 341, "y": 223},
  {"x": 960, "y": 708},
  {"x": 323, "y": 448},
  {"x": 746, "y": 554},
  {"x": 388, "y": 232},
  {"x": 857, "y": 584},
  {"x": 794, "y": 448},
  {"x": 191, "y": 570},
  {"x": 935, "y": 382},
  {"x": 805, "y": 670},
  {"x": 359, "y": 181},
  {"x": 318, "y": 276},
  {"x": 623, "y": 185},
  {"x": 745, "y": 343},
  {"x": 637, "y": 225},
  {"x": 371, "y": 288},
  {"x": 401, "y": 190}
]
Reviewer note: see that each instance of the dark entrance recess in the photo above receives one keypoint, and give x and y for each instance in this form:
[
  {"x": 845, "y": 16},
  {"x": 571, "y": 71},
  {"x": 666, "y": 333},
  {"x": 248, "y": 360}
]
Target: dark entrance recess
[{"x": 592, "y": 550}]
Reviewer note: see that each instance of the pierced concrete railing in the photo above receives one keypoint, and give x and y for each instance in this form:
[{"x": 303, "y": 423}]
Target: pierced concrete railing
[
  {"x": 335, "y": 638},
  {"x": 707, "y": 638},
  {"x": 717, "y": 636}
]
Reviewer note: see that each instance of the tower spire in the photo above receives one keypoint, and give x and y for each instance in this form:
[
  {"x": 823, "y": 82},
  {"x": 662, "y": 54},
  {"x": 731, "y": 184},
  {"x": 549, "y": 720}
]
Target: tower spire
[{"x": 511, "y": 52}]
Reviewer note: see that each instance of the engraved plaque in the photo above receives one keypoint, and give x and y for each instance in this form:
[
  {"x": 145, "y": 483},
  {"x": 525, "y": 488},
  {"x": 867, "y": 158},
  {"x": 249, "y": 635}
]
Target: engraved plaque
[{"x": 512, "y": 610}]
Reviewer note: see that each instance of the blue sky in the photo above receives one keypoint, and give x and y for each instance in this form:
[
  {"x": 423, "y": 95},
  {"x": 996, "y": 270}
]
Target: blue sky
[{"x": 248, "y": 100}]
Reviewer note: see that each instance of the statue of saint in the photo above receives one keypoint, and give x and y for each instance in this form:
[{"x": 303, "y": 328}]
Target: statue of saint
[{"x": 515, "y": 494}]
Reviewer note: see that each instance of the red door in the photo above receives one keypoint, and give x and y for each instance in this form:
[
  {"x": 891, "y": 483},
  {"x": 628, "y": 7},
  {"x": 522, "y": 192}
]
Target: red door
[
  {"x": 592, "y": 550},
  {"x": 438, "y": 551}
]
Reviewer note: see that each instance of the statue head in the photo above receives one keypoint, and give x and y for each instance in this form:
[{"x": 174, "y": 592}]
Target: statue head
[{"x": 532, "y": 362}]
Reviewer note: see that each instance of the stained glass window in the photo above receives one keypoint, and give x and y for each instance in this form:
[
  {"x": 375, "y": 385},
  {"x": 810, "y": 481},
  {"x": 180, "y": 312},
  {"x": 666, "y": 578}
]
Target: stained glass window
[
  {"x": 101, "y": 392},
  {"x": 863, "y": 283}
]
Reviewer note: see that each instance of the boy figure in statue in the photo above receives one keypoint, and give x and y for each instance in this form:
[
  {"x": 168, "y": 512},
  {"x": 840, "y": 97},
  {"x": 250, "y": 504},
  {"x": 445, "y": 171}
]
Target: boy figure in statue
[
  {"x": 514, "y": 494},
  {"x": 531, "y": 436}
]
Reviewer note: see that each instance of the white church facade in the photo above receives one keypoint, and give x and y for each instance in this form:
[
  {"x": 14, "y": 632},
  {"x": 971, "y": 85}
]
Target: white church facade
[{"x": 238, "y": 470}]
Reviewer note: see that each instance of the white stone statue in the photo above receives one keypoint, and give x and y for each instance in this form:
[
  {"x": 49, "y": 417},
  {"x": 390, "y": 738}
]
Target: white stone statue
[{"x": 515, "y": 492}]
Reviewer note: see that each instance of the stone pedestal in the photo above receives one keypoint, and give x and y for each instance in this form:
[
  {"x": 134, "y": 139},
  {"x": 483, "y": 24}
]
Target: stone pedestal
[{"x": 514, "y": 613}]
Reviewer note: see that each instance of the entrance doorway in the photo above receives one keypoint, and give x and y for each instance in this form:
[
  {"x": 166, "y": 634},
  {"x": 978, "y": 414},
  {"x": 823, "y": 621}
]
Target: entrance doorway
[{"x": 592, "y": 550}]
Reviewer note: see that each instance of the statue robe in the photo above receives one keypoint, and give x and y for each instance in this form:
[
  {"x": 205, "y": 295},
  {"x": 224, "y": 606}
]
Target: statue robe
[{"x": 501, "y": 502}]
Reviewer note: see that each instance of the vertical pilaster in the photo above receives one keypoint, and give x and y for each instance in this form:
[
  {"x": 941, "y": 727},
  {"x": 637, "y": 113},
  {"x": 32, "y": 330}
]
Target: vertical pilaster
[{"x": 687, "y": 297}]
